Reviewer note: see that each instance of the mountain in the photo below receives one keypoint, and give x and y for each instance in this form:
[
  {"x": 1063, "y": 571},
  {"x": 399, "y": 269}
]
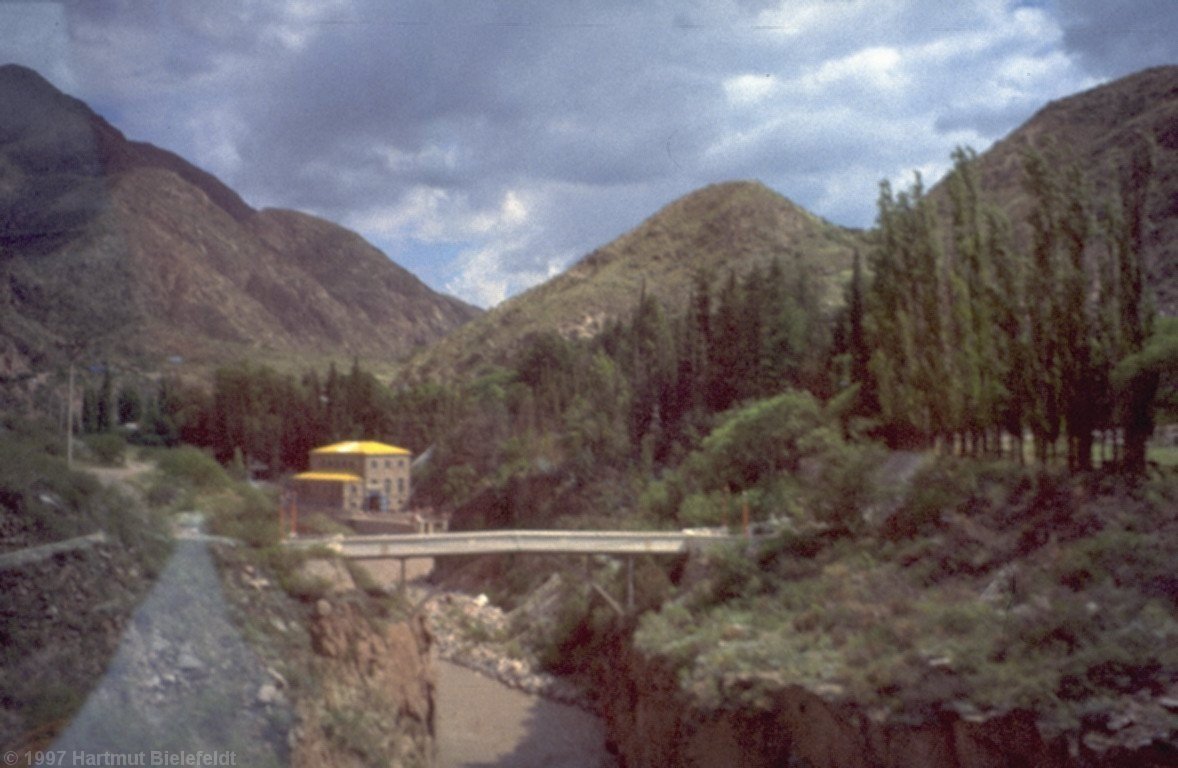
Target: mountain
[
  {"x": 119, "y": 248},
  {"x": 724, "y": 227},
  {"x": 1096, "y": 128}
]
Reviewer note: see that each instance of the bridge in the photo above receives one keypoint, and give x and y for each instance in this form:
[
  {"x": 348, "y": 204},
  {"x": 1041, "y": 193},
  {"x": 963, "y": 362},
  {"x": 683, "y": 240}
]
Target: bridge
[
  {"x": 403, "y": 547},
  {"x": 400, "y": 546}
]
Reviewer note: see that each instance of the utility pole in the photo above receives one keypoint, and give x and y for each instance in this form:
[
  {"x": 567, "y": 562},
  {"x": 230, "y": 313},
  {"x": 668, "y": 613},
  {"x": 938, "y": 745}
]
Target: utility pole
[{"x": 69, "y": 421}]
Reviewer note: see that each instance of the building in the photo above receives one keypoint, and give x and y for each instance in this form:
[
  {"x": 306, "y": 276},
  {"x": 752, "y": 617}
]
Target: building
[{"x": 352, "y": 478}]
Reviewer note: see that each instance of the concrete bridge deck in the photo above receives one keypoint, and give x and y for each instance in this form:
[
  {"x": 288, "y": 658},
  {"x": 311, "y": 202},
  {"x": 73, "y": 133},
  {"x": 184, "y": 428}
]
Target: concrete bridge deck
[{"x": 400, "y": 546}]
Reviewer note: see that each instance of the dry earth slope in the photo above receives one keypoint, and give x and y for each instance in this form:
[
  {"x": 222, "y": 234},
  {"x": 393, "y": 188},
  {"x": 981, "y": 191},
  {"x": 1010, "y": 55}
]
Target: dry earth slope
[{"x": 114, "y": 244}]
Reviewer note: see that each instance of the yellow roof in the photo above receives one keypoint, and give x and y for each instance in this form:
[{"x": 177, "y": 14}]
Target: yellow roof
[
  {"x": 334, "y": 477},
  {"x": 365, "y": 447}
]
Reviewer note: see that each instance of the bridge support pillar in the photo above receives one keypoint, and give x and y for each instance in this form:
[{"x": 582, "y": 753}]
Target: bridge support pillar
[
  {"x": 630, "y": 582},
  {"x": 401, "y": 560}
]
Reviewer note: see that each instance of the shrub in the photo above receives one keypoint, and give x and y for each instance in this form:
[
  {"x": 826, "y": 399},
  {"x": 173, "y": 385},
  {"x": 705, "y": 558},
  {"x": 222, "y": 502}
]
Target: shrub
[
  {"x": 193, "y": 466},
  {"x": 762, "y": 439},
  {"x": 107, "y": 448},
  {"x": 703, "y": 510},
  {"x": 846, "y": 486},
  {"x": 941, "y": 486},
  {"x": 247, "y": 514}
]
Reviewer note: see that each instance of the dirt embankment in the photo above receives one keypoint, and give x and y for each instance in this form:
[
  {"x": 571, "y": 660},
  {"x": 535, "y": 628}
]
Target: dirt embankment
[
  {"x": 61, "y": 623},
  {"x": 361, "y": 681},
  {"x": 375, "y": 697},
  {"x": 652, "y": 722}
]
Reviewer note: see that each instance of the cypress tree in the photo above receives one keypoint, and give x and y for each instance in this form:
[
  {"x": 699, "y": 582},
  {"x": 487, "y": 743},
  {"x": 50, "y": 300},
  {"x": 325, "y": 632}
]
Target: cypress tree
[{"x": 104, "y": 417}]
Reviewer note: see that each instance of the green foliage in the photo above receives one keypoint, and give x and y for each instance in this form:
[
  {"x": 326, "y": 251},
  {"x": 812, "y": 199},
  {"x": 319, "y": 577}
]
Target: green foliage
[
  {"x": 108, "y": 448},
  {"x": 245, "y": 513},
  {"x": 762, "y": 439},
  {"x": 937, "y": 488},
  {"x": 979, "y": 338},
  {"x": 705, "y": 510},
  {"x": 193, "y": 467},
  {"x": 846, "y": 485},
  {"x": 1064, "y": 629},
  {"x": 43, "y": 498}
]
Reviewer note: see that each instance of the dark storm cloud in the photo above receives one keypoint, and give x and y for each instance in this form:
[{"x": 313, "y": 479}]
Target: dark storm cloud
[
  {"x": 1118, "y": 37},
  {"x": 510, "y": 137},
  {"x": 460, "y": 98}
]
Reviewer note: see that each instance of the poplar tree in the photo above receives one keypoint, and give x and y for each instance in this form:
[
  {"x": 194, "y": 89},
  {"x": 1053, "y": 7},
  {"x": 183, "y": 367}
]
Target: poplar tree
[
  {"x": 1011, "y": 353},
  {"x": 1136, "y": 395},
  {"x": 1043, "y": 413}
]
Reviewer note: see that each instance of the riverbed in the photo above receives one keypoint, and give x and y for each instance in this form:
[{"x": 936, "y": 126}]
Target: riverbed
[{"x": 483, "y": 723}]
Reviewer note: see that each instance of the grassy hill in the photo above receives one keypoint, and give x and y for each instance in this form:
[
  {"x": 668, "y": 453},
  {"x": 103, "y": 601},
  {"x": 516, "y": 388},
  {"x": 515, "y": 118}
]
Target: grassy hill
[{"x": 725, "y": 227}]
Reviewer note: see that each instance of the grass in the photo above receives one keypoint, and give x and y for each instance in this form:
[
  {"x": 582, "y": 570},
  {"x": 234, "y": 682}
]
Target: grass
[{"x": 1163, "y": 456}]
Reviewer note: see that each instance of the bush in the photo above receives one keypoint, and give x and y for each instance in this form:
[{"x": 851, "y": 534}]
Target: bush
[
  {"x": 108, "y": 448},
  {"x": 246, "y": 514},
  {"x": 764, "y": 438},
  {"x": 846, "y": 486},
  {"x": 704, "y": 510},
  {"x": 941, "y": 486},
  {"x": 193, "y": 466}
]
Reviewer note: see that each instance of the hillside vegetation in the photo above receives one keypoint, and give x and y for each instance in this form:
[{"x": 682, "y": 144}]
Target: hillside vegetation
[{"x": 720, "y": 229}]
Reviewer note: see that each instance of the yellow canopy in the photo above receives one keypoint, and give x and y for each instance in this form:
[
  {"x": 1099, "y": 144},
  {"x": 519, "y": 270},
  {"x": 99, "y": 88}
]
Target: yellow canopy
[
  {"x": 365, "y": 447},
  {"x": 333, "y": 477}
]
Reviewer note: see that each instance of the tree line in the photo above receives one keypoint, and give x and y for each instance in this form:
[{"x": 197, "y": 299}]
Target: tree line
[
  {"x": 960, "y": 335},
  {"x": 950, "y": 331}
]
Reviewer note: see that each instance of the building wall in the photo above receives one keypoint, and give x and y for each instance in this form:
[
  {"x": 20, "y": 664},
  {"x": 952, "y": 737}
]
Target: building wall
[
  {"x": 328, "y": 495},
  {"x": 385, "y": 478}
]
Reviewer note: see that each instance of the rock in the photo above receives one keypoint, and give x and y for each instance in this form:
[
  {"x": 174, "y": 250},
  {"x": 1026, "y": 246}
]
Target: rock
[
  {"x": 269, "y": 694},
  {"x": 332, "y": 573},
  {"x": 323, "y": 608},
  {"x": 188, "y": 662},
  {"x": 1001, "y": 587},
  {"x": 278, "y": 624}
]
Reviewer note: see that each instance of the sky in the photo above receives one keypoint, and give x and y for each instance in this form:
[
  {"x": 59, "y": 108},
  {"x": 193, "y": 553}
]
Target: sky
[{"x": 486, "y": 145}]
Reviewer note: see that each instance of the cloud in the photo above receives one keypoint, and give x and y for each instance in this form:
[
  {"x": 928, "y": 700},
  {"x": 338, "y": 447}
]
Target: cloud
[
  {"x": 1117, "y": 37},
  {"x": 486, "y": 143}
]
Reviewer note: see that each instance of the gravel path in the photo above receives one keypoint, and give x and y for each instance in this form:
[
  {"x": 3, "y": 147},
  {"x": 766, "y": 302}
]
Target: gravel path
[{"x": 183, "y": 683}]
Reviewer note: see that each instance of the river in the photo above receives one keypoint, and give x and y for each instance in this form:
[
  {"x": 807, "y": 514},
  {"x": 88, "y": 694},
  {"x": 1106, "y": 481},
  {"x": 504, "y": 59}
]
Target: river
[{"x": 483, "y": 723}]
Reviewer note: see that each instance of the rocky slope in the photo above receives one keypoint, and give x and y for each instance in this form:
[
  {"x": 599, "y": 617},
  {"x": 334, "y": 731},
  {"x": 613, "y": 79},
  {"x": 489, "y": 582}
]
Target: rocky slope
[
  {"x": 110, "y": 245},
  {"x": 653, "y": 722}
]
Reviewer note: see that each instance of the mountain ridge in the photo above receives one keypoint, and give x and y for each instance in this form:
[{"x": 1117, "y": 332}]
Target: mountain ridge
[
  {"x": 120, "y": 245},
  {"x": 729, "y": 226}
]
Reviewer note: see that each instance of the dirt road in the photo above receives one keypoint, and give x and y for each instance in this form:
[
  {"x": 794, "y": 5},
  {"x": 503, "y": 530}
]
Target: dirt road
[{"x": 183, "y": 680}]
